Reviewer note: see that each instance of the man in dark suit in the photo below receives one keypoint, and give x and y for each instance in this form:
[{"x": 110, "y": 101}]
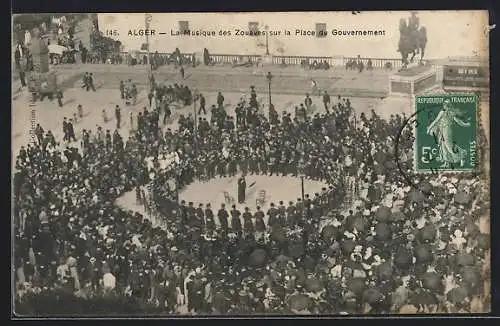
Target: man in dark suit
[
  {"x": 220, "y": 100},
  {"x": 200, "y": 216},
  {"x": 223, "y": 215},
  {"x": 202, "y": 105},
  {"x": 118, "y": 116},
  {"x": 235, "y": 221},
  {"x": 71, "y": 130},
  {"x": 242, "y": 187},
  {"x": 90, "y": 83},
  {"x": 209, "y": 216},
  {"x": 326, "y": 101},
  {"x": 183, "y": 213},
  {"x": 308, "y": 101},
  {"x": 272, "y": 212},
  {"x": 65, "y": 129}
]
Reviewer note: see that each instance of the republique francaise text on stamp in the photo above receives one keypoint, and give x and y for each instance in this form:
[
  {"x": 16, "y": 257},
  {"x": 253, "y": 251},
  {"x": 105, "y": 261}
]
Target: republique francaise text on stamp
[{"x": 446, "y": 132}]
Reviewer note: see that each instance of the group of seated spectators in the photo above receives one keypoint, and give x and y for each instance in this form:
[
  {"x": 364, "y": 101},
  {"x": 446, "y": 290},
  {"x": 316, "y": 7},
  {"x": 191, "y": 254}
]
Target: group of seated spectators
[
  {"x": 315, "y": 65},
  {"x": 368, "y": 243}
]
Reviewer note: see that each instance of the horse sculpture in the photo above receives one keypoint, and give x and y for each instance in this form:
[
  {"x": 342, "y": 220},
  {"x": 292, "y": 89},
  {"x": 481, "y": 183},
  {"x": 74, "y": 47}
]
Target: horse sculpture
[{"x": 412, "y": 41}]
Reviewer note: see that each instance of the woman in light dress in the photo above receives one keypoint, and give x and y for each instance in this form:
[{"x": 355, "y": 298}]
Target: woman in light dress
[{"x": 441, "y": 129}]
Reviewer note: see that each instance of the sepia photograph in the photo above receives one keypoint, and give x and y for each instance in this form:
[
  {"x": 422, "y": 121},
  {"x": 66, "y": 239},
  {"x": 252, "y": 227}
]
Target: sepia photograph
[{"x": 250, "y": 164}]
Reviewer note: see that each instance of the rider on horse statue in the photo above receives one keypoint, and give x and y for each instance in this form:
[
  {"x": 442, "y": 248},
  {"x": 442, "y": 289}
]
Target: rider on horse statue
[
  {"x": 413, "y": 25},
  {"x": 413, "y": 39}
]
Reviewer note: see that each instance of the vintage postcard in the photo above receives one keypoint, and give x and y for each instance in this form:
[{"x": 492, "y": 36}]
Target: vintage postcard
[{"x": 205, "y": 164}]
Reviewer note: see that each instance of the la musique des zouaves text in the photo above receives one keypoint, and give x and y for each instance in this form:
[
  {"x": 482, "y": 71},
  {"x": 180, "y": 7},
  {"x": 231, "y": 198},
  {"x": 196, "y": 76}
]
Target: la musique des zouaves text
[{"x": 240, "y": 32}]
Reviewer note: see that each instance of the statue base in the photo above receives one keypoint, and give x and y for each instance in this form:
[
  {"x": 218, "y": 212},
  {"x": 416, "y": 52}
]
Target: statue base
[
  {"x": 404, "y": 86},
  {"x": 43, "y": 83},
  {"x": 267, "y": 59},
  {"x": 413, "y": 81}
]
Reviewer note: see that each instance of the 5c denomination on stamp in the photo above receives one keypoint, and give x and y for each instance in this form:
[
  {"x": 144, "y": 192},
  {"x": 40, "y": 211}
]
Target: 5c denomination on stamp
[{"x": 446, "y": 133}]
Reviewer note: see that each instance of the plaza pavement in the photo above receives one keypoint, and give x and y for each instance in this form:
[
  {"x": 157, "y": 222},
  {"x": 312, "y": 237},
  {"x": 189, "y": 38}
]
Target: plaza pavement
[
  {"x": 50, "y": 116},
  {"x": 277, "y": 188},
  {"x": 291, "y": 80}
]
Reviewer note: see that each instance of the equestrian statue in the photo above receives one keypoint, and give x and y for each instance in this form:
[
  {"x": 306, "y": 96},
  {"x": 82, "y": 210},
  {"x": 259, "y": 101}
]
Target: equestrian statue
[{"x": 412, "y": 40}]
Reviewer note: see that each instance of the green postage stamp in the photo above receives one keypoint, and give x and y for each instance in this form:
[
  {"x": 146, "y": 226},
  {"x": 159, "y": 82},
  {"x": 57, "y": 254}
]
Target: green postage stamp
[{"x": 446, "y": 132}]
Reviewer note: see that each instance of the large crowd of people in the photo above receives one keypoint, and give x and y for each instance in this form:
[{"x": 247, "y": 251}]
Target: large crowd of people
[{"x": 369, "y": 243}]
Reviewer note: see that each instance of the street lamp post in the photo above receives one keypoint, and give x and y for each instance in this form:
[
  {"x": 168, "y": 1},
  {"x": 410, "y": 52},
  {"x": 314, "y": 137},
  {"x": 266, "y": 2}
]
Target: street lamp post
[
  {"x": 269, "y": 78},
  {"x": 177, "y": 188},
  {"x": 148, "y": 18},
  {"x": 267, "y": 39},
  {"x": 195, "y": 98},
  {"x": 303, "y": 213},
  {"x": 302, "y": 187}
]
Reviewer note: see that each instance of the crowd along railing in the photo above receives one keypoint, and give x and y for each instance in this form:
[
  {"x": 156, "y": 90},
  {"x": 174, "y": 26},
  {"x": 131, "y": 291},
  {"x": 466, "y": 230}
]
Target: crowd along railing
[{"x": 333, "y": 61}]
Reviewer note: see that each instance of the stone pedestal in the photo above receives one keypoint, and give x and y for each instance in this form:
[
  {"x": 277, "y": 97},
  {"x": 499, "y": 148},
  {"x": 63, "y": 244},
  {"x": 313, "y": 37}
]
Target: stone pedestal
[
  {"x": 40, "y": 55},
  {"x": 404, "y": 86},
  {"x": 40, "y": 79},
  {"x": 267, "y": 59},
  {"x": 413, "y": 81},
  {"x": 45, "y": 83}
]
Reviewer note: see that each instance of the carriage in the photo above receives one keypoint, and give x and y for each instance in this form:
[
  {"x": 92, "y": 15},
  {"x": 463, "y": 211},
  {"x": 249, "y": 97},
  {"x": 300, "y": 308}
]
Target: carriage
[{"x": 59, "y": 54}]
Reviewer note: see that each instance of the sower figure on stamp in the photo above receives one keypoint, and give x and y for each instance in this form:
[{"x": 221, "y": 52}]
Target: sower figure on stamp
[
  {"x": 441, "y": 129},
  {"x": 242, "y": 185}
]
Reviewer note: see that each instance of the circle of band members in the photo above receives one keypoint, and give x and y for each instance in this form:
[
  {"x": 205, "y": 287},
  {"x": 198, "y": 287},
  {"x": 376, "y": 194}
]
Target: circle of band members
[{"x": 66, "y": 214}]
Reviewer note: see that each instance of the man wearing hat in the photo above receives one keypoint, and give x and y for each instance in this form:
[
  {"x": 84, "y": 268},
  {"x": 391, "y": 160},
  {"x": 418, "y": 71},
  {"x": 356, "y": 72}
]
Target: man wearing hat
[
  {"x": 326, "y": 101},
  {"x": 260, "y": 225},
  {"x": 248, "y": 226},
  {"x": 183, "y": 212},
  {"x": 202, "y": 104},
  {"x": 200, "y": 216},
  {"x": 253, "y": 97},
  {"x": 223, "y": 215},
  {"x": 209, "y": 216},
  {"x": 242, "y": 185},
  {"x": 118, "y": 116},
  {"x": 272, "y": 212},
  {"x": 235, "y": 221},
  {"x": 220, "y": 100},
  {"x": 308, "y": 102},
  {"x": 413, "y": 23},
  {"x": 240, "y": 115}
]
